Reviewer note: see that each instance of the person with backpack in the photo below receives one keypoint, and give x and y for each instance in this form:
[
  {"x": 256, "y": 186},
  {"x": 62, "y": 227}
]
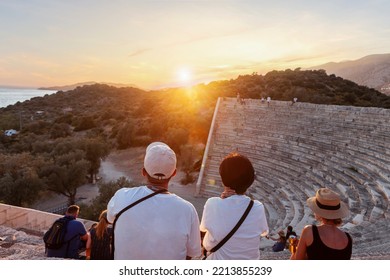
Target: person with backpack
[
  {"x": 65, "y": 236},
  {"x": 149, "y": 222}
]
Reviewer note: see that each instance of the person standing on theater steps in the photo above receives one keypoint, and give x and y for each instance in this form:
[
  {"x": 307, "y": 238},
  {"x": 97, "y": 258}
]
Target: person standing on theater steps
[
  {"x": 268, "y": 101},
  {"x": 163, "y": 227}
]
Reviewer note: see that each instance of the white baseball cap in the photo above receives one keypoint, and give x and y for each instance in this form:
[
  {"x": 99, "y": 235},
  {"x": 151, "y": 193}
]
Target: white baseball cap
[{"x": 160, "y": 160}]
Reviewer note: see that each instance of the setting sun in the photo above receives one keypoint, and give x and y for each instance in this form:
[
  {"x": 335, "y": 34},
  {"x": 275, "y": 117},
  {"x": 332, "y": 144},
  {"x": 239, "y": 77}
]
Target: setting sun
[
  {"x": 127, "y": 45},
  {"x": 184, "y": 76}
]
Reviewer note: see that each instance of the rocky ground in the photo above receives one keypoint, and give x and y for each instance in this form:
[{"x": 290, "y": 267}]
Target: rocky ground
[{"x": 19, "y": 244}]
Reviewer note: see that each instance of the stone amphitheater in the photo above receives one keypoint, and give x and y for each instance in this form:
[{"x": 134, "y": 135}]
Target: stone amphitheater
[
  {"x": 299, "y": 148},
  {"x": 296, "y": 149}
]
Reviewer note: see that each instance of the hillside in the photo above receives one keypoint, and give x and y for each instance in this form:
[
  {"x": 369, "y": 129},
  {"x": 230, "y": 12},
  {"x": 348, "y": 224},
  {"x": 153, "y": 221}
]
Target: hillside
[
  {"x": 62, "y": 137},
  {"x": 371, "y": 71},
  {"x": 127, "y": 117},
  {"x": 73, "y": 86}
]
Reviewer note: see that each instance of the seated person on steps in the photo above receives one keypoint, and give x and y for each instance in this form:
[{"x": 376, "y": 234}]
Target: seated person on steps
[
  {"x": 280, "y": 242},
  {"x": 221, "y": 214}
]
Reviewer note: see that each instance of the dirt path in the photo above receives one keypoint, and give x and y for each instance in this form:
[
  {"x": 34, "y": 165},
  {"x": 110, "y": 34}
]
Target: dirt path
[
  {"x": 129, "y": 163},
  {"x": 50, "y": 201},
  {"x": 125, "y": 163}
]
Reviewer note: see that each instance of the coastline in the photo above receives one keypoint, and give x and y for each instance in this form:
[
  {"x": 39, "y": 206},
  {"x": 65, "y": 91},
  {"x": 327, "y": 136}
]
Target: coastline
[{"x": 12, "y": 95}]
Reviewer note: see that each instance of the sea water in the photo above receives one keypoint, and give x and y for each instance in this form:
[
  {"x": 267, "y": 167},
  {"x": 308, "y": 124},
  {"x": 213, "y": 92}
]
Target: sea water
[{"x": 10, "y": 96}]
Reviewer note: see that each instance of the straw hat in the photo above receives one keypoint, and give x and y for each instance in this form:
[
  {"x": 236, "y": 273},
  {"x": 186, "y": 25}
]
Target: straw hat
[{"x": 327, "y": 204}]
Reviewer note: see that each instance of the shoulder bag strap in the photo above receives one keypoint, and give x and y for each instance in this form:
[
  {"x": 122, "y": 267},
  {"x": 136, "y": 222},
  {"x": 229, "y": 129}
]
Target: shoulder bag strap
[
  {"x": 124, "y": 210},
  {"x": 227, "y": 237}
]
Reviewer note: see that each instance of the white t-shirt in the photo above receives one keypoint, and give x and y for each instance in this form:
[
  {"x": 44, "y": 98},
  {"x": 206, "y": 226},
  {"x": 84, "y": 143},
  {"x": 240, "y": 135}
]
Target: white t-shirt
[
  {"x": 164, "y": 226},
  {"x": 219, "y": 218}
]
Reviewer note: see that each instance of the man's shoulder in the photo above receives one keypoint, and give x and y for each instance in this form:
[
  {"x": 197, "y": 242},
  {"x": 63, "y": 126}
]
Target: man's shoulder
[
  {"x": 214, "y": 199},
  {"x": 76, "y": 224},
  {"x": 181, "y": 201},
  {"x": 126, "y": 190},
  {"x": 259, "y": 205}
]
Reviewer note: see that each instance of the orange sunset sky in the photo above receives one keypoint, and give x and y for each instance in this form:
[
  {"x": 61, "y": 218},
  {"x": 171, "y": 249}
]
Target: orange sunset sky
[{"x": 156, "y": 44}]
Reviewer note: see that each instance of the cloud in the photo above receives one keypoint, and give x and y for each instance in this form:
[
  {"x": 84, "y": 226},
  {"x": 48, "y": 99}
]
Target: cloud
[
  {"x": 294, "y": 59},
  {"x": 187, "y": 41},
  {"x": 208, "y": 37},
  {"x": 139, "y": 52}
]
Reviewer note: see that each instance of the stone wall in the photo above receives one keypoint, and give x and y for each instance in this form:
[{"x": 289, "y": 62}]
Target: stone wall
[{"x": 29, "y": 219}]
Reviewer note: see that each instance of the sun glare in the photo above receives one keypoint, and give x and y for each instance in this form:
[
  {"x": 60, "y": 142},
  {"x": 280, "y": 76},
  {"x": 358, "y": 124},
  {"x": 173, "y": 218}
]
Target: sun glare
[{"x": 184, "y": 76}]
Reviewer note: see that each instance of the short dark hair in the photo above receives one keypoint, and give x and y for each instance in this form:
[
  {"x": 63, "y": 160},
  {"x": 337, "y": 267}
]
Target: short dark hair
[
  {"x": 237, "y": 172},
  {"x": 157, "y": 181},
  {"x": 73, "y": 209}
]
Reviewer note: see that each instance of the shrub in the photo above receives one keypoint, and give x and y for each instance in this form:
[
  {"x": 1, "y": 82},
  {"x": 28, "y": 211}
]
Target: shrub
[{"x": 85, "y": 123}]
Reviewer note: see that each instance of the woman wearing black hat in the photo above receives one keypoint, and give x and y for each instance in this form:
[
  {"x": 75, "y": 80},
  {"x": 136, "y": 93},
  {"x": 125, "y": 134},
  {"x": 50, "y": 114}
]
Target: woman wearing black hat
[{"x": 326, "y": 241}]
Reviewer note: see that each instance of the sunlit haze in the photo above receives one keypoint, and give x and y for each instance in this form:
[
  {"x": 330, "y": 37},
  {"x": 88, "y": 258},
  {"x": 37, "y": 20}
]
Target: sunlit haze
[
  {"x": 185, "y": 76},
  {"x": 157, "y": 44}
]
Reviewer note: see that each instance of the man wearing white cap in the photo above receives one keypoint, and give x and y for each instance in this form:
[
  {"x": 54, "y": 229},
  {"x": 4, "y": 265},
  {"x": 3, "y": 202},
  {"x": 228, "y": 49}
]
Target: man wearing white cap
[{"x": 163, "y": 226}]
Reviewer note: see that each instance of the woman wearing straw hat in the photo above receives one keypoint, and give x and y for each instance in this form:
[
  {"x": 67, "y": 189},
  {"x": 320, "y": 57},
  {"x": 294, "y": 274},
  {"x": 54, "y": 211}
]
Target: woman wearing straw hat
[{"x": 326, "y": 241}]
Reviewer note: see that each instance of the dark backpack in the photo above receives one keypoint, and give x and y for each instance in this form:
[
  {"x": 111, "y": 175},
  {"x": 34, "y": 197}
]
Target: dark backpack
[{"x": 54, "y": 238}]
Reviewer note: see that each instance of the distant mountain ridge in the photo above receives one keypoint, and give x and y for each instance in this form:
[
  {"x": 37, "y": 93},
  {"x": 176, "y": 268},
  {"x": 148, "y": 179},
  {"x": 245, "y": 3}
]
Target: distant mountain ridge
[
  {"x": 73, "y": 86},
  {"x": 372, "y": 71}
]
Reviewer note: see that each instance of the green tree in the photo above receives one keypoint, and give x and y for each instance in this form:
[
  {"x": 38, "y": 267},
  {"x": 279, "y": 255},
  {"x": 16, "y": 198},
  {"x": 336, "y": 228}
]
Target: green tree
[
  {"x": 59, "y": 130},
  {"x": 9, "y": 121},
  {"x": 106, "y": 191},
  {"x": 95, "y": 151},
  {"x": 65, "y": 170},
  {"x": 85, "y": 123},
  {"x": 19, "y": 181},
  {"x": 65, "y": 178},
  {"x": 125, "y": 135},
  {"x": 176, "y": 137},
  {"x": 187, "y": 160}
]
